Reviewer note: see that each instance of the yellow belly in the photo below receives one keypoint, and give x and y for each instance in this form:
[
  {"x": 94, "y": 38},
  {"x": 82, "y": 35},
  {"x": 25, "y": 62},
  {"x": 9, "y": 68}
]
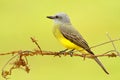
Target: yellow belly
[{"x": 66, "y": 43}]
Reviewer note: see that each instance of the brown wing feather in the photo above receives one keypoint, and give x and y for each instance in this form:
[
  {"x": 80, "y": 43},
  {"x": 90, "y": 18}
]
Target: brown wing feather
[{"x": 74, "y": 36}]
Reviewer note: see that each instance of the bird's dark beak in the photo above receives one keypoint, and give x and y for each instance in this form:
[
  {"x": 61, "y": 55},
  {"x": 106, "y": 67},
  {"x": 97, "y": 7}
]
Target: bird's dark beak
[{"x": 51, "y": 17}]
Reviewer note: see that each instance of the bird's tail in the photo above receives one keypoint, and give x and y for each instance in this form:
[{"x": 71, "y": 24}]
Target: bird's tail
[
  {"x": 97, "y": 60},
  {"x": 101, "y": 65}
]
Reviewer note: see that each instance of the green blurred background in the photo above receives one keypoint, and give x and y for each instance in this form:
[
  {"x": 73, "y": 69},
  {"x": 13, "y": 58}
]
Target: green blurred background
[{"x": 22, "y": 19}]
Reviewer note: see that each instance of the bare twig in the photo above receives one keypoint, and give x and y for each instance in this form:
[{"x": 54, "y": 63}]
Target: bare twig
[
  {"x": 111, "y": 42},
  {"x": 105, "y": 43},
  {"x": 34, "y": 41}
]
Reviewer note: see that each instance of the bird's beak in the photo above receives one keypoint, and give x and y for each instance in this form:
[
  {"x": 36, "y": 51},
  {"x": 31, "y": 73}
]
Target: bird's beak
[{"x": 51, "y": 17}]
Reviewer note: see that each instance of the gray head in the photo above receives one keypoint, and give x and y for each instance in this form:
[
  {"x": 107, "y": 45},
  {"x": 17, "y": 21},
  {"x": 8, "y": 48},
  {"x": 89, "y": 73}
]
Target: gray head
[{"x": 60, "y": 18}]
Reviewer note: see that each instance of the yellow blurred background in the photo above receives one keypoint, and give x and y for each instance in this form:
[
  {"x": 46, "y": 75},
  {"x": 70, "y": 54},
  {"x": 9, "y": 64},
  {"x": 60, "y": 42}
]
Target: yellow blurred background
[{"x": 22, "y": 19}]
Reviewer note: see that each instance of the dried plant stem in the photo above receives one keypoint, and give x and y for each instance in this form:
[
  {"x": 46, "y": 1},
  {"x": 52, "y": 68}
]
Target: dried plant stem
[
  {"x": 22, "y": 62},
  {"x": 105, "y": 43}
]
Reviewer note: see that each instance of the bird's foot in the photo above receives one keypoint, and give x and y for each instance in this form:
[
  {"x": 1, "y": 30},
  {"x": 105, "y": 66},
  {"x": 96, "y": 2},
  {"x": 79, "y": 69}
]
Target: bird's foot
[
  {"x": 71, "y": 52},
  {"x": 61, "y": 52}
]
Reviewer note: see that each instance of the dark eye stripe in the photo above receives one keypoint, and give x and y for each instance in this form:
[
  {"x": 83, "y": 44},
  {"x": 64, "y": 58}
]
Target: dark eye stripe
[{"x": 56, "y": 16}]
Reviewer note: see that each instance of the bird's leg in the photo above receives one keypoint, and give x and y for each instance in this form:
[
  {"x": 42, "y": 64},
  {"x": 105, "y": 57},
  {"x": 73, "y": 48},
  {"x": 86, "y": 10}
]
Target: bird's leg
[
  {"x": 61, "y": 52},
  {"x": 71, "y": 52}
]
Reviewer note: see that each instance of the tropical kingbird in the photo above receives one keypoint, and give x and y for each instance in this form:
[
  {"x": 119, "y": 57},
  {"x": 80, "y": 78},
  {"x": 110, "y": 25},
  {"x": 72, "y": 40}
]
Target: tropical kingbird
[{"x": 70, "y": 37}]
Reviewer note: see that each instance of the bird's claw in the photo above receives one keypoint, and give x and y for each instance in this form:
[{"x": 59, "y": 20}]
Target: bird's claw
[
  {"x": 57, "y": 54},
  {"x": 64, "y": 52},
  {"x": 71, "y": 52},
  {"x": 61, "y": 52}
]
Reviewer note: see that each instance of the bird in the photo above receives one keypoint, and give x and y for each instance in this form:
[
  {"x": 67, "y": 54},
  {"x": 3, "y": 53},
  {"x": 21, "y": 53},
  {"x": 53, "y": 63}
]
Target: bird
[{"x": 70, "y": 37}]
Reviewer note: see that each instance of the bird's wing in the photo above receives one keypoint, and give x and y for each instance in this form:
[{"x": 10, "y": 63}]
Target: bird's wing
[{"x": 74, "y": 36}]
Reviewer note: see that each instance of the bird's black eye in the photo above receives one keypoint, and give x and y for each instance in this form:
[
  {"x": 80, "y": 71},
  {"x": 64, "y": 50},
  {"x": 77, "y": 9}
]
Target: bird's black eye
[{"x": 56, "y": 16}]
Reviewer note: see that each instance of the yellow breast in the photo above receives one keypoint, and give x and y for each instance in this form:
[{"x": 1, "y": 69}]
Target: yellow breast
[{"x": 67, "y": 43}]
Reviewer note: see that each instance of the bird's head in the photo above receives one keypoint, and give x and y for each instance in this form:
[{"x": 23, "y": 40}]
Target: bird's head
[{"x": 60, "y": 18}]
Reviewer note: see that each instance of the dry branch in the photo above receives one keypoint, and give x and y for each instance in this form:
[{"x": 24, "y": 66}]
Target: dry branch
[{"x": 22, "y": 62}]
